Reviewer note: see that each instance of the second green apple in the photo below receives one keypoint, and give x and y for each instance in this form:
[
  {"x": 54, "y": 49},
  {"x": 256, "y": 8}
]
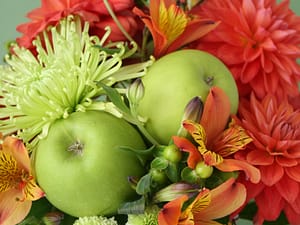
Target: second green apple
[{"x": 173, "y": 80}]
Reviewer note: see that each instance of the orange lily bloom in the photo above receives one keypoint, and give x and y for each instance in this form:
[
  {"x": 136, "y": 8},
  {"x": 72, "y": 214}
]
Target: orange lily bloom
[
  {"x": 215, "y": 141},
  {"x": 172, "y": 27},
  {"x": 17, "y": 185},
  {"x": 207, "y": 206}
]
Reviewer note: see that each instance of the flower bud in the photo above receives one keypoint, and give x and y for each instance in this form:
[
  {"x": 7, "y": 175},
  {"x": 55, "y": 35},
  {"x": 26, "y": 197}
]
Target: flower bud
[
  {"x": 135, "y": 91},
  {"x": 174, "y": 191},
  {"x": 193, "y": 111}
]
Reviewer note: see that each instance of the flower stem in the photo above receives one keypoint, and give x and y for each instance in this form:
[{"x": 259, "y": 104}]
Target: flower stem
[{"x": 114, "y": 17}]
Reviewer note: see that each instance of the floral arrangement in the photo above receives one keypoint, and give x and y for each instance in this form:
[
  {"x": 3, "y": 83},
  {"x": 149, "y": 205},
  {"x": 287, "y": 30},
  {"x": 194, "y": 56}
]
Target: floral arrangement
[{"x": 152, "y": 112}]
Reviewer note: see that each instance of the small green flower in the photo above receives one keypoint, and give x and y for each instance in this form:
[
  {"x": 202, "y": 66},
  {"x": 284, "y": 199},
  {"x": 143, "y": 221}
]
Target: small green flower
[
  {"x": 149, "y": 217},
  {"x": 95, "y": 220},
  {"x": 63, "y": 78}
]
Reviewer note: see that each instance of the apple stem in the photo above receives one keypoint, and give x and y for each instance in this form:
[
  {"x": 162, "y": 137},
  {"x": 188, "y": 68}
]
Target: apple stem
[
  {"x": 76, "y": 148},
  {"x": 209, "y": 80}
]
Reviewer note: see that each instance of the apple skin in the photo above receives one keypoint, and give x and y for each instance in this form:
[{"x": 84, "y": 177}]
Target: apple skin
[
  {"x": 95, "y": 182},
  {"x": 172, "y": 81}
]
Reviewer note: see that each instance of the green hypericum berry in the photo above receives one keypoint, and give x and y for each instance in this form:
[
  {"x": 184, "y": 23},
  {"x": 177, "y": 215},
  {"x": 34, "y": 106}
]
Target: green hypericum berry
[
  {"x": 172, "y": 153},
  {"x": 63, "y": 78},
  {"x": 204, "y": 171}
]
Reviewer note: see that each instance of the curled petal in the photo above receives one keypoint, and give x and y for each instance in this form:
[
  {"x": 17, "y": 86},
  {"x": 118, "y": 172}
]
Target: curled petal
[
  {"x": 225, "y": 199},
  {"x": 210, "y": 158},
  {"x": 186, "y": 146},
  {"x": 230, "y": 165},
  {"x": 171, "y": 211}
]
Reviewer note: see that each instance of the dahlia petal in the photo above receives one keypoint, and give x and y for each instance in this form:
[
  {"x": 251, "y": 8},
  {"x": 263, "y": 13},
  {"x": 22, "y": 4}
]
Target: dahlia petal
[
  {"x": 225, "y": 199},
  {"x": 259, "y": 157},
  {"x": 266, "y": 64},
  {"x": 296, "y": 204},
  {"x": 250, "y": 70},
  {"x": 269, "y": 45},
  {"x": 270, "y": 204},
  {"x": 293, "y": 172},
  {"x": 288, "y": 189},
  {"x": 13, "y": 211},
  {"x": 229, "y": 165},
  {"x": 231, "y": 59},
  {"x": 271, "y": 174},
  {"x": 293, "y": 217},
  {"x": 286, "y": 162}
]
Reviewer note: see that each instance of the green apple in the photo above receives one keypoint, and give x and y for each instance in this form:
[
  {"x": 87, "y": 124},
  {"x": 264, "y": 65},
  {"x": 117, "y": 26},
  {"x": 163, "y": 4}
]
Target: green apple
[
  {"x": 172, "y": 81},
  {"x": 81, "y": 168}
]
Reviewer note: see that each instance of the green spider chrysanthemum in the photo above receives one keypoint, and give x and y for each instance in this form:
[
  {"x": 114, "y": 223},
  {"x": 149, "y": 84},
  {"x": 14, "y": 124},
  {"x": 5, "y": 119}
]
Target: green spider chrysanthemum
[
  {"x": 61, "y": 79},
  {"x": 95, "y": 220}
]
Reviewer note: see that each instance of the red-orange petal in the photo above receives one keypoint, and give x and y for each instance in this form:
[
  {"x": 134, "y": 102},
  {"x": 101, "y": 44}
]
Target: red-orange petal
[
  {"x": 171, "y": 211},
  {"x": 216, "y": 113},
  {"x": 230, "y": 165},
  {"x": 225, "y": 199},
  {"x": 186, "y": 146}
]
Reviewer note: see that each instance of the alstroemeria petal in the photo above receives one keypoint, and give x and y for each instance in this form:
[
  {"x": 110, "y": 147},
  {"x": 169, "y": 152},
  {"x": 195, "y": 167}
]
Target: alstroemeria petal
[
  {"x": 233, "y": 139},
  {"x": 171, "y": 211},
  {"x": 230, "y": 165},
  {"x": 13, "y": 211},
  {"x": 32, "y": 191},
  {"x": 16, "y": 148},
  {"x": 201, "y": 202},
  {"x": 216, "y": 113},
  {"x": 195, "y": 29},
  {"x": 186, "y": 146},
  {"x": 225, "y": 199},
  {"x": 196, "y": 130},
  {"x": 210, "y": 158}
]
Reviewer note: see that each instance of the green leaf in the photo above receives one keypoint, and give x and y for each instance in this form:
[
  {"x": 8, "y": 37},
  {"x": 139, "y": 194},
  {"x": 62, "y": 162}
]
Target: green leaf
[
  {"x": 144, "y": 185},
  {"x": 143, "y": 154},
  {"x": 159, "y": 163},
  {"x": 134, "y": 207},
  {"x": 172, "y": 172},
  {"x": 189, "y": 175},
  {"x": 116, "y": 98}
]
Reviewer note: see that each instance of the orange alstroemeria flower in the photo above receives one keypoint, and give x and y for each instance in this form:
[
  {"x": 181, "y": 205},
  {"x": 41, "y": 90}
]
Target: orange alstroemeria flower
[
  {"x": 17, "y": 185},
  {"x": 207, "y": 206},
  {"x": 172, "y": 27},
  {"x": 216, "y": 140}
]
